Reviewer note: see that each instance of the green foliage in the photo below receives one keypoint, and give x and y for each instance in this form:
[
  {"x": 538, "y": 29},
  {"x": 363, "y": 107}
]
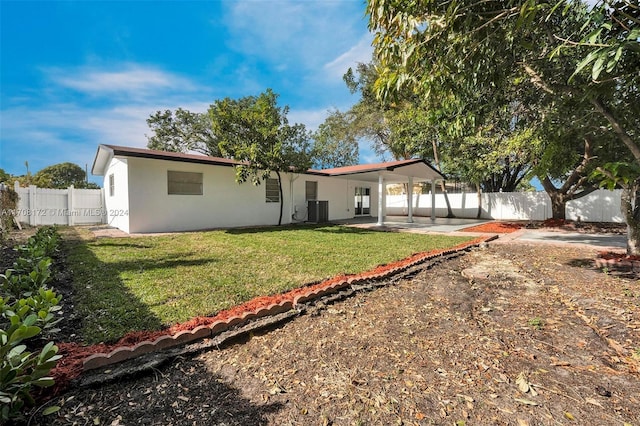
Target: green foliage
[
  {"x": 335, "y": 143},
  {"x": 472, "y": 60},
  {"x": 611, "y": 34},
  {"x": 20, "y": 369},
  {"x": 24, "y": 282},
  {"x": 42, "y": 306},
  {"x": 254, "y": 130},
  {"x": 536, "y": 323},
  {"x": 182, "y": 131},
  {"x": 27, "y": 310},
  {"x": 617, "y": 175},
  {"x": 60, "y": 176},
  {"x": 4, "y": 176}
]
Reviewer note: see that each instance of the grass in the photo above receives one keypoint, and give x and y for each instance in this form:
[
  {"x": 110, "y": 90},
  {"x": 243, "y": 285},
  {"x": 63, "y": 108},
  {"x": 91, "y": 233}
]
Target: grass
[{"x": 128, "y": 284}]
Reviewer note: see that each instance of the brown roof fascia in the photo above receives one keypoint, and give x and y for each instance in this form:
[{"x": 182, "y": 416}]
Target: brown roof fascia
[
  {"x": 367, "y": 168},
  {"x": 171, "y": 156}
]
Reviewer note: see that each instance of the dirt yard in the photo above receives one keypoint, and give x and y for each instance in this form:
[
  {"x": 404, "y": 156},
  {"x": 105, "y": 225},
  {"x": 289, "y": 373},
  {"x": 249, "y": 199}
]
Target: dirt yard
[{"x": 511, "y": 334}]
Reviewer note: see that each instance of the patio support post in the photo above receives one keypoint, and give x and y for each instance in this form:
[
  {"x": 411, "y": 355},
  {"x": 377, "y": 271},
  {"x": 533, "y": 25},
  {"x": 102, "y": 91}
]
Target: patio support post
[
  {"x": 410, "y": 200},
  {"x": 433, "y": 200},
  {"x": 381, "y": 199}
]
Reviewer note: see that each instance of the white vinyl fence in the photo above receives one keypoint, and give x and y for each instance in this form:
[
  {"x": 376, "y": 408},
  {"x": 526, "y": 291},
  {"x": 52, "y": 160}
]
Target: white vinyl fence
[
  {"x": 71, "y": 206},
  {"x": 599, "y": 206}
]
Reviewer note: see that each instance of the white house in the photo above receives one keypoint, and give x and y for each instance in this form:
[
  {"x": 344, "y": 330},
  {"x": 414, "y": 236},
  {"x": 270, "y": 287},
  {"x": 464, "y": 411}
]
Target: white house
[{"x": 157, "y": 191}]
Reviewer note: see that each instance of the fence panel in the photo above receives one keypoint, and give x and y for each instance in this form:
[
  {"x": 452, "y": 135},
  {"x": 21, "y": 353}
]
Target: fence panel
[
  {"x": 599, "y": 206},
  {"x": 71, "y": 206}
]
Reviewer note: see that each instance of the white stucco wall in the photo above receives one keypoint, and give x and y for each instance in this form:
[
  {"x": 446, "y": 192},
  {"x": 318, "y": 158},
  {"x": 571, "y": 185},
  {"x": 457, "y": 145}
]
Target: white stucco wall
[
  {"x": 117, "y": 205},
  {"x": 340, "y": 193},
  {"x": 224, "y": 203}
]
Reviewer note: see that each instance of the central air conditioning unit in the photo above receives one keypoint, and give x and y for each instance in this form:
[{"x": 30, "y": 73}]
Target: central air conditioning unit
[{"x": 318, "y": 211}]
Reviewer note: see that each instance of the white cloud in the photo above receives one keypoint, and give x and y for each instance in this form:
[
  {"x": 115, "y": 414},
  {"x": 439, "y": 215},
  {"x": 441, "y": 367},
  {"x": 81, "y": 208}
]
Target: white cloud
[
  {"x": 45, "y": 130},
  {"x": 311, "y": 118},
  {"x": 127, "y": 79},
  {"x": 360, "y": 53},
  {"x": 294, "y": 35}
]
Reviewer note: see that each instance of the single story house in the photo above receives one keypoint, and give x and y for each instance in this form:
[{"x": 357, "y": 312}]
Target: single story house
[{"x": 156, "y": 191}]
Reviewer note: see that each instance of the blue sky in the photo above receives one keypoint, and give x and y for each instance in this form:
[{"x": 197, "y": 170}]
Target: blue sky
[{"x": 75, "y": 74}]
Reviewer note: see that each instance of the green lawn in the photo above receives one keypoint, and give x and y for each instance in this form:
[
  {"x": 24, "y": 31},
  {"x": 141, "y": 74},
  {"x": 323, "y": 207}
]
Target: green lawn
[{"x": 126, "y": 284}]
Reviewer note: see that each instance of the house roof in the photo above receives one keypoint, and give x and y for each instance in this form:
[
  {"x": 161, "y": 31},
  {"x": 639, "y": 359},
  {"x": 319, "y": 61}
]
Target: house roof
[
  {"x": 393, "y": 171},
  {"x": 106, "y": 152}
]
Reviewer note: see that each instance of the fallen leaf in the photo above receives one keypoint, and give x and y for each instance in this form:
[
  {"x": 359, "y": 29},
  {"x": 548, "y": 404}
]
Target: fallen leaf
[
  {"x": 276, "y": 390},
  {"x": 525, "y": 401},
  {"x": 593, "y": 402},
  {"x": 523, "y": 383},
  {"x": 420, "y": 416},
  {"x": 569, "y": 416}
]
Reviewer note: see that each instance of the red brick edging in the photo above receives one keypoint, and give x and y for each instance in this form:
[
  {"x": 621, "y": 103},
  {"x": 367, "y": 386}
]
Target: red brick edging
[{"x": 291, "y": 300}]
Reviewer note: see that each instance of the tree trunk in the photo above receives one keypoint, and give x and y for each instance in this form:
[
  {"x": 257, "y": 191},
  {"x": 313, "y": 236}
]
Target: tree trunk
[
  {"x": 630, "y": 203},
  {"x": 281, "y": 198},
  {"x": 436, "y": 158},
  {"x": 558, "y": 206}
]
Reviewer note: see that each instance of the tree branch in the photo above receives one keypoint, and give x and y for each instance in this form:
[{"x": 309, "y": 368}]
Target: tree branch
[
  {"x": 576, "y": 178},
  {"x": 617, "y": 128}
]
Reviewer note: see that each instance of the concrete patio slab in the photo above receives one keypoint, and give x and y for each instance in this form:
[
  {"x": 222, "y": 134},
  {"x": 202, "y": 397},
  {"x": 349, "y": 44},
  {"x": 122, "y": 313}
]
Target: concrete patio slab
[
  {"x": 419, "y": 224},
  {"x": 599, "y": 240}
]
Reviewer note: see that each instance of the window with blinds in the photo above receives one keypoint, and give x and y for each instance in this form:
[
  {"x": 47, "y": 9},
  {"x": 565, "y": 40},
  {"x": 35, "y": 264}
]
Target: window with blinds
[
  {"x": 184, "y": 183},
  {"x": 272, "y": 191},
  {"x": 310, "y": 190},
  {"x": 112, "y": 185}
]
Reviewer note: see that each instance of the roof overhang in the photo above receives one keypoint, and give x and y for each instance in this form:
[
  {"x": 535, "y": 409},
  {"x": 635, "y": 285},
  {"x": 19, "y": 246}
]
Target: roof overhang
[
  {"x": 102, "y": 160},
  {"x": 107, "y": 152},
  {"x": 392, "y": 171}
]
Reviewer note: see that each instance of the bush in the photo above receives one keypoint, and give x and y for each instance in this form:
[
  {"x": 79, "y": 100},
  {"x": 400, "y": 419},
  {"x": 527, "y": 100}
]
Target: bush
[
  {"x": 26, "y": 277},
  {"x": 27, "y": 310},
  {"x": 20, "y": 370}
]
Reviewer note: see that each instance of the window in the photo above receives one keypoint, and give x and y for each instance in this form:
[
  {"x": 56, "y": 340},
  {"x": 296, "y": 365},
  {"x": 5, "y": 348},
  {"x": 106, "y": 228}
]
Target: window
[
  {"x": 184, "y": 183},
  {"x": 272, "y": 190},
  {"x": 112, "y": 185},
  {"x": 310, "y": 190}
]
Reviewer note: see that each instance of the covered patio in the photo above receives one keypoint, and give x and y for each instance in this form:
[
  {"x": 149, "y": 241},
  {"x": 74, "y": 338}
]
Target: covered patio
[{"x": 407, "y": 172}]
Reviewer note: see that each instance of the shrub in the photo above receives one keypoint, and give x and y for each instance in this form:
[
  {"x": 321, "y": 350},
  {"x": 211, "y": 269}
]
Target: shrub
[
  {"x": 27, "y": 310},
  {"x": 20, "y": 370},
  {"x": 26, "y": 278}
]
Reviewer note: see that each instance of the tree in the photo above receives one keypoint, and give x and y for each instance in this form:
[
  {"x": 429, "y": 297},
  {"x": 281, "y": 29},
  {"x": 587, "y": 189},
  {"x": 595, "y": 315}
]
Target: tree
[
  {"x": 335, "y": 144},
  {"x": 61, "y": 176},
  {"x": 455, "y": 49},
  {"x": 398, "y": 127},
  {"x": 256, "y": 132},
  {"x": 4, "y": 176},
  {"x": 182, "y": 131},
  {"x": 610, "y": 38}
]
